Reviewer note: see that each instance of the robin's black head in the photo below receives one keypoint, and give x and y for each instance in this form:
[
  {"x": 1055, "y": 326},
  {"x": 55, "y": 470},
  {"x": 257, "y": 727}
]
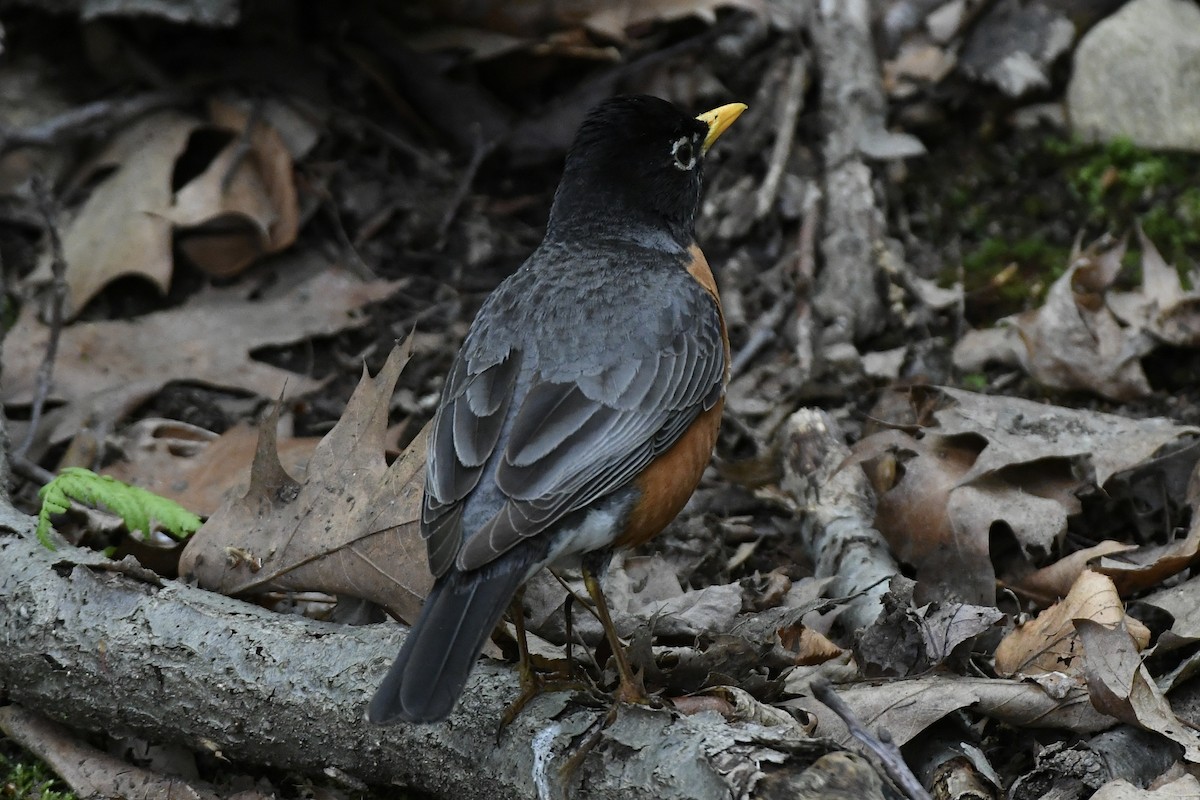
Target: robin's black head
[{"x": 635, "y": 169}]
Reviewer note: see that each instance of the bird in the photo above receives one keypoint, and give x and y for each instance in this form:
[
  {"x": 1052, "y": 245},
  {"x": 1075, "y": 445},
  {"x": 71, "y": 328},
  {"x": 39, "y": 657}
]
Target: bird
[{"x": 584, "y": 404}]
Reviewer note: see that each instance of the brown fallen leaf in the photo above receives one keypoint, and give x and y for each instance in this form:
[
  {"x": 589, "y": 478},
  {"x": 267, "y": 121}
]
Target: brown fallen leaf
[
  {"x": 117, "y": 231},
  {"x": 1054, "y": 581},
  {"x": 1143, "y": 567},
  {"x": 244, "y": 204},
  {"x": 906, "y": 707},
  {"x": 1087, "y": 336},
  {"x": 199, "y": 477},
  {"x": 350, "y": 525},
  {"x": 915, "y": 480},
  {"x": 1049, "y": 643},
  {"x": 1120, "y": 685},
  {"x": 979, "y": 465},
  {"x": 104, "y": 369},
  {"x": 810, "y": 647}
]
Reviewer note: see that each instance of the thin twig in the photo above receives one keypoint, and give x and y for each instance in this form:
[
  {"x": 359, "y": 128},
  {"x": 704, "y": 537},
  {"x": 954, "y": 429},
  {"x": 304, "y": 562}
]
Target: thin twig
[
  {"x": 91, "y": 118},
  {"x": 762, "y": 334},
  {"x": 396, "y": 142},
  {"x": 245, "y": 142},
  {"x": 881, "y": 746},
  {"x": 58, "y": 298},
  {"x": 785, "y": 135},
  {"x": 478, "y": 154},
  {"x": 34, "y": 473}
]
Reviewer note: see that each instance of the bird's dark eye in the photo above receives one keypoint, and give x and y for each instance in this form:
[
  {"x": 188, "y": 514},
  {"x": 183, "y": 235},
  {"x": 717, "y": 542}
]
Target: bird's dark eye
[{"x": 684, "y": 153}]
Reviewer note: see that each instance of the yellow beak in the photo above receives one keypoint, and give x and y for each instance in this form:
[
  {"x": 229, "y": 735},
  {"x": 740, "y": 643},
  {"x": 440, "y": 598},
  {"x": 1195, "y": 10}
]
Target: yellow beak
[{"x": 718, "y": 120}]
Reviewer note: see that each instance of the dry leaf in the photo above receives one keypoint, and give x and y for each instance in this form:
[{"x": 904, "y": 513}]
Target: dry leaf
[
  {"x": 1163, "y": 307},
  {"x": 1182, "y": 602},
  {"x": 1121, "y": 686},
  {"x": 1143, "y": 567},
  {"x": 104, "y": 369},
  {"x": 118, "y": 231},
  {"x": 1088, "y": 337},
  {"x": 1054, "y": 581},
  {"x": 199, "y": 477},
  {"x": 350, "y": 526},
  {"x": 1049, "y": 643},
  {"x": 243, "y": 205},
  {"x": 809, "y": 646},
  {"x": 985, "y": 461},
  {"x": 1185, "y": 786},
  {"x": 914, "y": 511},
  {"x": 904, "y": 708},
  {"x": 906, "y": 640}
]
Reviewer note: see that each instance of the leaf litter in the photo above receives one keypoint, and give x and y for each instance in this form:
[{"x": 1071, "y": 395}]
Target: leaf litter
[{"x": 1033, "y": 605}]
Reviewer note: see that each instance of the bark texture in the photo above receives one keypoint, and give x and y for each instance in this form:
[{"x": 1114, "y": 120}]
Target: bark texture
[{"x": 106, "y": 646}]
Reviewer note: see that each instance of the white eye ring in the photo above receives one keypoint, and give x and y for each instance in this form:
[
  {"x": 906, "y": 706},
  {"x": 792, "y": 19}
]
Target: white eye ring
[{"x": 684, "y": 153}]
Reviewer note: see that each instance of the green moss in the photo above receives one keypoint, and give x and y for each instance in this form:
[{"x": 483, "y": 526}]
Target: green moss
[
  {"x": 26, "y": 778},
  {"x": 975, "y": 381},
  {"x": 1038, "y": 262},
  {"x": 1123, "y": 184}
]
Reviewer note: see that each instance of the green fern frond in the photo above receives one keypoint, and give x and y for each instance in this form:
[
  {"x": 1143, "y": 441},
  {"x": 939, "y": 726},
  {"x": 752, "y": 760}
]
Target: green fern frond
[{"x": 134, "y": 505}]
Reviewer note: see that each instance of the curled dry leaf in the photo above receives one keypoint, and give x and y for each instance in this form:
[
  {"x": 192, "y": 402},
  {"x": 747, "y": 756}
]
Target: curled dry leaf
[
  {"x": 1143, "y": 567},
  {"x": 1120, "y": 685},
  {"x": 349, "y": 526},
  {"x": 244, "y": 204},
  {"x": 1089, "y": 337},
  {"x": 1163, "y": 307},
  {"x": 1054, "y": 581},
  {"x": 906, "y": 640},
  {"x": 1050, "y": 643},
  {"x": 915, "y": 480}
]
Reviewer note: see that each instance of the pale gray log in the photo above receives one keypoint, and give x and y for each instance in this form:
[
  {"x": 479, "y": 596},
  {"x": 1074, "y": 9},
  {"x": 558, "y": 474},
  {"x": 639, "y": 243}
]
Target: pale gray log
[
  {"x": 849, "y": 297},
  {"x": 838, "y": 509},
  {"x": 102, "y": 646}
]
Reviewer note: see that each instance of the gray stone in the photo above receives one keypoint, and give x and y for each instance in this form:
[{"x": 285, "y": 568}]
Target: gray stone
[{"x": 1137, "y": 76}]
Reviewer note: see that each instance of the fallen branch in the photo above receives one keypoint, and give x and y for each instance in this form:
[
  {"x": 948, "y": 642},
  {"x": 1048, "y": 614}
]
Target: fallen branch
[
  {"x": 103, "y": 650},
  {"x": 849, "y": 289},
  {"x": 838, "y": 510}
]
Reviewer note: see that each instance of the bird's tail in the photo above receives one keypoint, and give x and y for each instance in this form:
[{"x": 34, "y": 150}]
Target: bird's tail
[{"x": 428, "y": 675}]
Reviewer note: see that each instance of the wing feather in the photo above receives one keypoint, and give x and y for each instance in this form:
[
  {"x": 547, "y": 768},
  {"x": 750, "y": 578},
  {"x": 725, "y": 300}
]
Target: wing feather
[{"x": 574, "y": 442}]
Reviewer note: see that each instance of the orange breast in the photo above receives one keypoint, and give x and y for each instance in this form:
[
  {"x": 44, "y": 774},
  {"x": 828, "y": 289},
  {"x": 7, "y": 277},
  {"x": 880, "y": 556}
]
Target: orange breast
[{"x": 667, "y": 483}]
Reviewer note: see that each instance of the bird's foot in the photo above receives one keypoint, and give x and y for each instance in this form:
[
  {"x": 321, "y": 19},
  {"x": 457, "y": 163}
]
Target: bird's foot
[{"x": 533, "y": 685}]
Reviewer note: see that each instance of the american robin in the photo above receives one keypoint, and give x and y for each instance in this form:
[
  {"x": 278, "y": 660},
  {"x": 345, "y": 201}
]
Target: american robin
[{"x": 584, "y": 404}]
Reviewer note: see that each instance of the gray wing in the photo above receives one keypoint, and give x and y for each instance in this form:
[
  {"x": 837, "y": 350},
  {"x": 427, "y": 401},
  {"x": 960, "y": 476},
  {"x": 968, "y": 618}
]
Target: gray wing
[
  {"x": 572, "y": 442},
  {"x": 466, "y": 429}
]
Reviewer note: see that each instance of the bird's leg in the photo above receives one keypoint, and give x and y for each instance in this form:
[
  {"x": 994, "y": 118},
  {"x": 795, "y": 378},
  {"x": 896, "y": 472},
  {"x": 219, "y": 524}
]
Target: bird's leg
[
  {"x": 631, "y": 689},
  {"x": 532, "y": 684}
]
